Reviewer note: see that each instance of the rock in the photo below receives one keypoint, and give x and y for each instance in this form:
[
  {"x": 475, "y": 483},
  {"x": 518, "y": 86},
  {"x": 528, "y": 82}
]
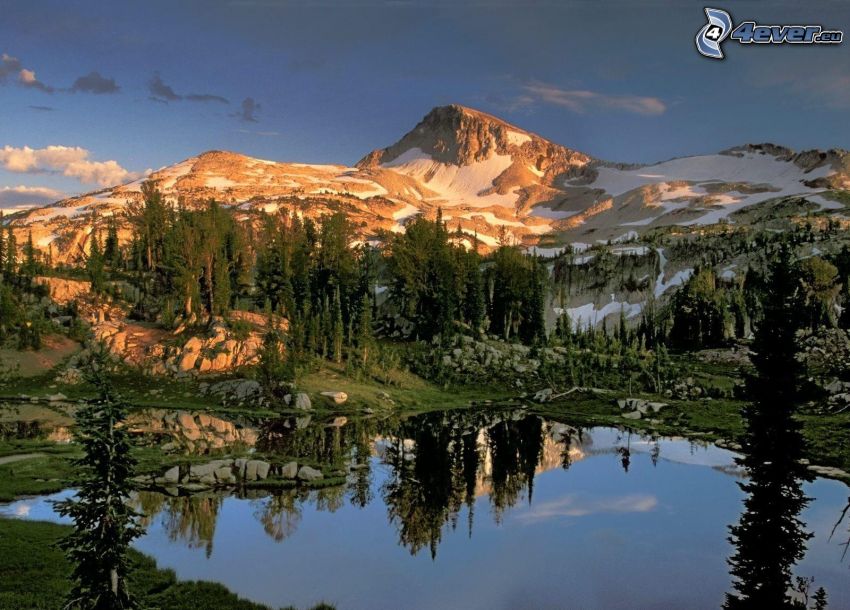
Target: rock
[
  {"x": 172, "y": 475},
  {"x": 302, "y": 402},
  {"x": 633, "y": 415},
  {"x": 309, "y": 474},
  {"x": 224, "y": 475},
  {"x": 830, "y": 472},
  {"x": 338, "y": 422},
  {"x": 263, "y": 470},
  {"x": 544, "y": 395},
  {"x": 56, "y": 397},
  {"x": 256, "y": 470},
  {"x": 336, "y": 398},
  {"x": 198, "y": 471},
  {"x": 656, "y": 406},
  {"x": 289, "y": 470},
  {"x": 240, "y": 464},
  {"x": 247, "y": 388}
]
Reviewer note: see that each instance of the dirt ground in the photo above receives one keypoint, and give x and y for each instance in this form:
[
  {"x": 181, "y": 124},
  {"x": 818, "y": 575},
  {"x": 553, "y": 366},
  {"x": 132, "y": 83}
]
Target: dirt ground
[{"x": 55, "y": 349}]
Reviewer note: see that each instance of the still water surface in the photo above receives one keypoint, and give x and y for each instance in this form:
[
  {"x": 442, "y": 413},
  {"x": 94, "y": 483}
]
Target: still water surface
[{"x": 474, "y": 510}]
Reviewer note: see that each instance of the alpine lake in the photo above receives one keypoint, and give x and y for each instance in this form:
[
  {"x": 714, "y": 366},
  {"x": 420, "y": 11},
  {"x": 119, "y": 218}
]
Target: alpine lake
[{"x": 468, "y": 509}]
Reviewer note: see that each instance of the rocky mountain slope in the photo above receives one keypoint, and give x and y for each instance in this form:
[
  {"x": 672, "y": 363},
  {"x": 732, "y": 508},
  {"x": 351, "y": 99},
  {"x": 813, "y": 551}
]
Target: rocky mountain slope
[{"x": 490, "y": 178}]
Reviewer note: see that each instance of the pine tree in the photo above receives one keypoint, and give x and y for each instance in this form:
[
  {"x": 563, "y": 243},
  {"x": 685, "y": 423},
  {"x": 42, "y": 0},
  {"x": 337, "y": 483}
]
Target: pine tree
[
  {"x": 365, "y": 338},
  {"x": 2, "y": 246},
  {"x": 338, "y": 336},
  {"x": 276, "y": 369},
  {"x": 94, "y": 264},
  {"x": 29, "y": 267},
  {"x": 111, "y": 251},
  {"x": 11, "y": 253},
  {"x": 770, "y": 537},
  {"x": 473, "y": 303},
  {"x": 104, "y": 524}
]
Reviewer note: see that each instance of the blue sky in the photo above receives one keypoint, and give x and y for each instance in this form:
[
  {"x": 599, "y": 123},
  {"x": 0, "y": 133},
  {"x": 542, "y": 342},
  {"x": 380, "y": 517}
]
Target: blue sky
[{"x": 146, "y": 84}]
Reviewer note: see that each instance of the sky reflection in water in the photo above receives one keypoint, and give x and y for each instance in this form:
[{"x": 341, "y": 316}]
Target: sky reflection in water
[{"x": 590, "y": 536}]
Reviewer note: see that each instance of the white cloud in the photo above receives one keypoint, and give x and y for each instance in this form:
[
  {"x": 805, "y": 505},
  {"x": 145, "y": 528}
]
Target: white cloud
[
  {"x": 583, "y": 100},
  {"x": 71, "y": 161},
  {"x": 573, "y": 505},
  {"x": 19, "y": 197}
]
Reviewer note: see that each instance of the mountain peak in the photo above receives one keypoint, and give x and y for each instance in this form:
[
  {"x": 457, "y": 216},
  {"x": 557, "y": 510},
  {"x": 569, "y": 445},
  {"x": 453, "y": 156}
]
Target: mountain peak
[{"x": 456, "y": 135}]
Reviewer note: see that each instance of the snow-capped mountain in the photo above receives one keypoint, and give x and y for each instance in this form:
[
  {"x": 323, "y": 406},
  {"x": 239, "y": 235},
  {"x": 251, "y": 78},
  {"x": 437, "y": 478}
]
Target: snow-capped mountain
[{"x": 490, "y": 178}]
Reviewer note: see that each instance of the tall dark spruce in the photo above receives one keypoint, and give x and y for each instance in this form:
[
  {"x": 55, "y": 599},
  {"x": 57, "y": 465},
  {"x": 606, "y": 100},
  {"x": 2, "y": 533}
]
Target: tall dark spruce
[
  {"x": 104, "y": 524},
  {"x": 770, "y": 537}
]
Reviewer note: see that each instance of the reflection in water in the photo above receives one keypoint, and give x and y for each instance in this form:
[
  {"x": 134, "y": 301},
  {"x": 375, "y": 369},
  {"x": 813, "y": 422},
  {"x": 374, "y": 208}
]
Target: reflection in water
[
  {"x": 190, "y": 432},
  {"x": 420, "y": 477},
  {"x": 36, "y": 422},
  {"x": 770, "y": 537},
  {"x": 191, "y": 519},
  {"x": 437, "y": 464}
]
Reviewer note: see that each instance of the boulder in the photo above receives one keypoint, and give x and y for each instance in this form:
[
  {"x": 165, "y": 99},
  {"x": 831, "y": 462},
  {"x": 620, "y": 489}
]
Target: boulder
[
  {"x": 305, "y": 473},
  {"x": 224, "y": 475},
  {"x": 302, "y": 402},
  {"x": 247, "y": 388},
  {"x": 57, "y": 397},
  {"x": 338, "y": 422},
  {"x": 633, "y": 415},
  {"x": 172, "y": 475},
  {"x": 544, "y": 395},
  {"x": 199, "y": 471},
  {"x": 336, "y": 398},
  {"x": 256, "y": 470},
  {"x": 240, "y": 464},
  {"x": 289, "y": 470}
]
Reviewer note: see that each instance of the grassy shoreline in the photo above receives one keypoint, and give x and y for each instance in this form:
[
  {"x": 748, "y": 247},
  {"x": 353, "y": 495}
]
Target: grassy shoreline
[{"x": 34, "y": 575}]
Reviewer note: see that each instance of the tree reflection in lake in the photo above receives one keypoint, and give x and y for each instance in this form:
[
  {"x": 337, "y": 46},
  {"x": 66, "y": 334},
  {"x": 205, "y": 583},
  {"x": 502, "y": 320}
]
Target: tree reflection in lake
[
  {"x": 441, "y": 463},
  {"x": 770, "y": 538},
  {"x": 191, "y": 519},
  {"x": 437, "y": 465}
]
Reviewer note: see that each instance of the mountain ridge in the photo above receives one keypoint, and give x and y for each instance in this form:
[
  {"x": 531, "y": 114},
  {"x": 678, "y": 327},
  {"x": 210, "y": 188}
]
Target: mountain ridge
[{"x": 490, "y": 178}]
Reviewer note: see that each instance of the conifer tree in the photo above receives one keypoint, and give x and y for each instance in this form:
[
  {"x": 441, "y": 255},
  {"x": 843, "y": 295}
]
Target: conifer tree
[
  {"x": 104, "y": 524},
  {"x": 94, "y": 264},
  {"x": 2, "y": 246},
  {"x": 29, "y": 267},
  {"x": 338, "y": 337},
  {"x": 11, "y": 253},
  {"x": 111, "y": 252},
  {"x": 365, "y": 338}
]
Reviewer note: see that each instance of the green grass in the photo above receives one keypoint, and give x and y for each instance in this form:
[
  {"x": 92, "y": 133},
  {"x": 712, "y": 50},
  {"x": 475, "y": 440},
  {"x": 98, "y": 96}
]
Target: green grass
[
  {"x": 34, "y": 575},
  {"x": 38, "y": 475}
]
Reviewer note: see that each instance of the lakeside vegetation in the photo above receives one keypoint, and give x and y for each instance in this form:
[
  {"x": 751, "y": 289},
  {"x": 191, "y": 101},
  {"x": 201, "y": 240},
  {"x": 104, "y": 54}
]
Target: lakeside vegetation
[{"x": 421, "y": 321}]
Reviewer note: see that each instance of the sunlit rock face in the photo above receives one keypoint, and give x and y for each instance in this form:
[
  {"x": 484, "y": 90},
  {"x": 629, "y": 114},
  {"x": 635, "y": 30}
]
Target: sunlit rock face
[
  {"x": 491, "y": 179},
  {"x": 64, "y": 291},
  {"x": 155, "y": 351}
]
